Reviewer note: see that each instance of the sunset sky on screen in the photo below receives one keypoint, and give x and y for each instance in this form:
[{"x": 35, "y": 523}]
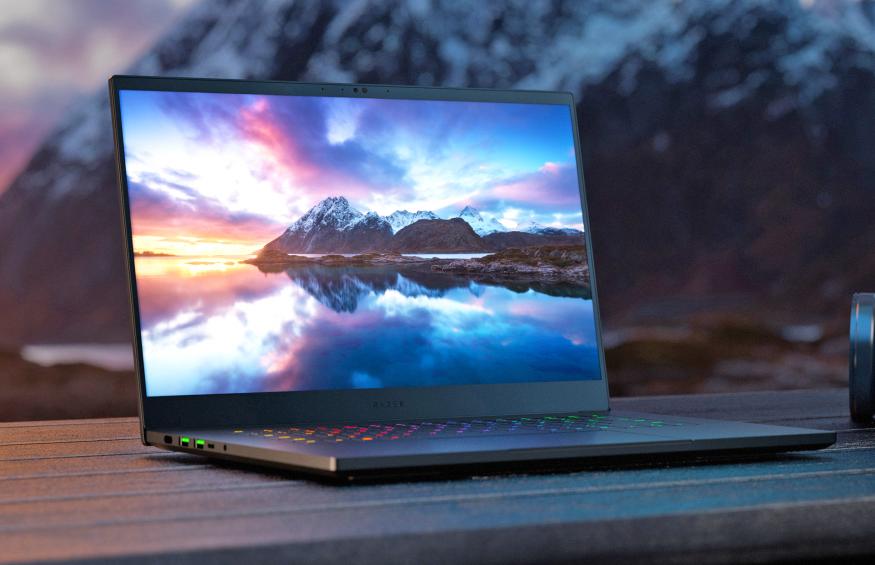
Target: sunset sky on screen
[{"x": 225, "y": 173}]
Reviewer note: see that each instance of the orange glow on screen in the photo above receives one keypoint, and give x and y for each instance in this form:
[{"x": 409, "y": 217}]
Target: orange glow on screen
[{"x": 195, "y": 246}]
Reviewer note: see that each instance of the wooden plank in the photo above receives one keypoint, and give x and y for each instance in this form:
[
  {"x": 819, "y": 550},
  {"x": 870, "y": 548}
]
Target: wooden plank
[
  {"x": 63, "y": 496},
  {"x": 83, "y": 448},
  {"x": 210, "y": 531},
  {"x": 150, "y": 482},
  {"x": 97, "y": 464},
  {"x": 128, "y": 483},
  {"x": 67, "y": 423},
  {"x": 709, "y": 540},
  {"x": 130, "y": 502},
  {"x": 77, "y": 432}
]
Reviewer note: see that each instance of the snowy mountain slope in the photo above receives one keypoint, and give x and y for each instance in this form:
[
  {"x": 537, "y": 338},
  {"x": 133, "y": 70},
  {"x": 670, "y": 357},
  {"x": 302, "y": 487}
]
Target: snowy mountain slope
[
  {"x": 530, "y": 227},
  {"x": 481, "y": 225},
  {"x": 334, "y": 212},
  {"x": 400, "y": 219},
  {"x": 536, "y": 228},
  {"x": 672, "y": 98}
]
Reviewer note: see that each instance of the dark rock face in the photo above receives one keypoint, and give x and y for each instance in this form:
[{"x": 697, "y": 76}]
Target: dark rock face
[
  {"x": 362, "y": 237},
  {"x": 437, "y": 236},
  {"x": 504, "y": 240},
  {"x": 718, "y": 157}
]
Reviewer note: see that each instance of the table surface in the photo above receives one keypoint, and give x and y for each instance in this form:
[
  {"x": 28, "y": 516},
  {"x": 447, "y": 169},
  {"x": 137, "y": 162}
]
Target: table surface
[{"x": 89, "y": 490}]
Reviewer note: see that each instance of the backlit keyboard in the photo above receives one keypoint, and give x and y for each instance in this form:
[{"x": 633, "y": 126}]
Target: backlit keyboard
[{"x": 431, "y": 429}]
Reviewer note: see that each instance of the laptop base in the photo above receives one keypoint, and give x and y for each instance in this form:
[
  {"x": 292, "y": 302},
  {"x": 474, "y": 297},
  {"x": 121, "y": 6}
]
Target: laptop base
[{"x": 375, "y": 460}]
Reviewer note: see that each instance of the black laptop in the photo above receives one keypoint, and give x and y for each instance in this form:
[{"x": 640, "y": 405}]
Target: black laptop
[{"x": 355, "y": 279}]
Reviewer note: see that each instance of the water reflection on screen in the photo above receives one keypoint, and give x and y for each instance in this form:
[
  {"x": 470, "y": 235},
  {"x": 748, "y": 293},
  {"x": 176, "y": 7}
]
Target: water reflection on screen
[{"x": 218, "y": 326}]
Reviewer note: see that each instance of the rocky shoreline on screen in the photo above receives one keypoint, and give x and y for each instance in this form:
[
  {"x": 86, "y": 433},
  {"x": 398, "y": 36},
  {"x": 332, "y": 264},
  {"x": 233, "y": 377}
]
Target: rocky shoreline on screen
[
  {"x": 152, "y": 254},
  {"x": 565, "y": 263},
  {"x": 555, "y": 263},
  {"x": 347, "y": 237},
  {"x": 273, "y": 257}
]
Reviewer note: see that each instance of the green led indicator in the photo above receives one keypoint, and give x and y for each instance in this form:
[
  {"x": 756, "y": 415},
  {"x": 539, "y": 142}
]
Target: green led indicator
[
  {"x": 199, "y": 442},
  {"x": 184, "y": 440}
]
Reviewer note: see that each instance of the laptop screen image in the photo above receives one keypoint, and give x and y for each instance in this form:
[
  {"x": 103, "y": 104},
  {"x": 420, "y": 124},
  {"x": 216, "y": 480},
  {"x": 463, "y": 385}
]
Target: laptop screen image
[{"x": 297, "y": 243}]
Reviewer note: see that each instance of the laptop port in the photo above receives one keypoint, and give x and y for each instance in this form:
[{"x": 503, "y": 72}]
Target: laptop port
[
  {"x": 168, "y": 439},
  {"x": 184, "y": 441},
  {"x": 211, "y": 446},
  {"x": 199, "y": 443}
]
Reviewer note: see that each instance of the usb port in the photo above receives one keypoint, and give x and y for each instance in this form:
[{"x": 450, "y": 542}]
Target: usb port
[
  {"x": 199, "y": 443},
  {"x": 184, "y": 441}
]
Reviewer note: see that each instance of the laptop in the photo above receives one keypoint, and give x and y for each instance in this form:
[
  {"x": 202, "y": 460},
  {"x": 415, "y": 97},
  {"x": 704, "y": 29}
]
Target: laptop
[{"x": 359, "y": 279}]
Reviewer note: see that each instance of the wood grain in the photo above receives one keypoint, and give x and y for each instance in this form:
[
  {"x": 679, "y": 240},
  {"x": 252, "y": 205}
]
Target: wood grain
[{"x": 88, "y": 490}]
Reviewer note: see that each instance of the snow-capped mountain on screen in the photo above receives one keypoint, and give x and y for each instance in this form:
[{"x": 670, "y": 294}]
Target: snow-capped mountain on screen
[
  {"x": 482, "y": 226},
  {"x": 334, "y": 212},
  {"x": 535, "y": 227},
  {"x": 530, "y": 227},
  {"x": 334, "y": 226},
  {"x": 400, "y": 219},
  {"x": 672, "y": 97}
]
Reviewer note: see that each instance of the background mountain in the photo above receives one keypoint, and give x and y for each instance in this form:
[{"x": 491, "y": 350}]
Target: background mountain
[
  {"x": 535, "y": 227},
  {"x": 402, "y": 218},
  {"x": 438, "y": 236},
  {"x": 727, "y": 145},
  {"x": 480, "y": 224},
  {"x": 531, "y": 227}
]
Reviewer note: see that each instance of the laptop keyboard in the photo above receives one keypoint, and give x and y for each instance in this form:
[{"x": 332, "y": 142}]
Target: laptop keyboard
[{"x": 431, "y": 429}]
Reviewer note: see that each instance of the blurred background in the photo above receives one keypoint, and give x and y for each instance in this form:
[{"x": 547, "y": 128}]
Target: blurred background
[{"x": 729, "y": 156}]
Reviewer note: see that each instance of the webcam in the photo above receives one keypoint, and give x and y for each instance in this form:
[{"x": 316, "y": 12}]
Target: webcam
[{"x": 861, "y": 358}]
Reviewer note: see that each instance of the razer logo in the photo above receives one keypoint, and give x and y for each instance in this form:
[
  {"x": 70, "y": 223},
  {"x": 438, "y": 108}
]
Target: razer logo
[{"x": 388, "y": 404}]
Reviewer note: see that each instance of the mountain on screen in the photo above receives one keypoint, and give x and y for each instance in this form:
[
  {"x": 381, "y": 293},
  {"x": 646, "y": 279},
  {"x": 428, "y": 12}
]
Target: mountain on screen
[
  {"x": 536, "y": 228},
  {"x": 333, "y": 225},
  {"x": 479, "y": 224},
  {"x": 400, "y": 219}
]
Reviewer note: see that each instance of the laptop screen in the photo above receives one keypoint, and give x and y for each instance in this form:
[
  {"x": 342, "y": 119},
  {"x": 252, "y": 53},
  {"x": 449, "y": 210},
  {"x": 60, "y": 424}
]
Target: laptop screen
[{"x": 292, "y": 243}]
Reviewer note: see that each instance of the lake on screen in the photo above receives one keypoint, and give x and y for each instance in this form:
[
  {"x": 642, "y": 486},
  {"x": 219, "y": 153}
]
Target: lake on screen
[{"x": 215, "y": 325}]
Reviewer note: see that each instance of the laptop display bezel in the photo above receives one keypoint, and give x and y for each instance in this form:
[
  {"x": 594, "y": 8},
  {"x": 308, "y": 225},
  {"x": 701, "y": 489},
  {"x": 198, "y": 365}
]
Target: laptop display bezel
[{"x": 223, "y": 410}]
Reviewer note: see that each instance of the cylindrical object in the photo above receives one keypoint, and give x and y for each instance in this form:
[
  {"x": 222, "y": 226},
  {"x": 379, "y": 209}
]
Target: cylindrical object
[{"x": 861, "y": 373}]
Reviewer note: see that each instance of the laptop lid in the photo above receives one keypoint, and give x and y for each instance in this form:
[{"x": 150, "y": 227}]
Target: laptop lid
[{"x": 320, "y": 252}]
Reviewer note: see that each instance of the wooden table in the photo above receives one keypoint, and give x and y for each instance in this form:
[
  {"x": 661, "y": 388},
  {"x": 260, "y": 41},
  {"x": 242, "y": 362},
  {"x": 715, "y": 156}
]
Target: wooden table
[{"x": 87, "y": 489}]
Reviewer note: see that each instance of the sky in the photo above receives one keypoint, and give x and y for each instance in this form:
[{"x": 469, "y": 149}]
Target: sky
[
  {"x": 214, "y": 174},
  {"x": 55, "y": 52}
]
